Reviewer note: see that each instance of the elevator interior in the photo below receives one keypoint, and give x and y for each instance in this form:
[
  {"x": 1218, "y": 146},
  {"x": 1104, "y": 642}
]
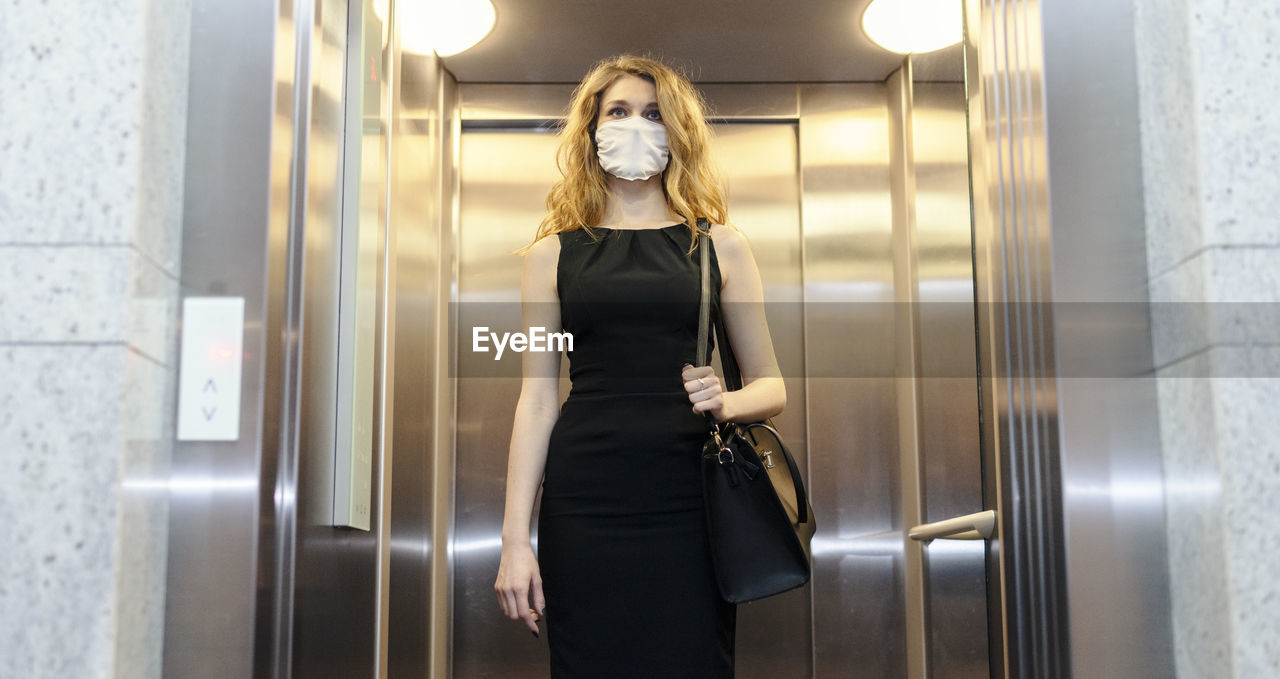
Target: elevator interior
[
  {"x": 813, "y": 176},
  {"x": 389, "y": 195}
]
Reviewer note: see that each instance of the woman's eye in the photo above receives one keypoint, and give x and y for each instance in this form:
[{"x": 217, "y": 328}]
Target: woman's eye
[
  {"x": 654, "y": 115},
  {"x": 615, "y": 110}
]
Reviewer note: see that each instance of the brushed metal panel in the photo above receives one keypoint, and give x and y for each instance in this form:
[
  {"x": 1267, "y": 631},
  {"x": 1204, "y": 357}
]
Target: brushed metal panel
[
  {"x": 1031, "y": 530},
  {"x": 236, "y": 199},
  {"x": 369, "y": 109},
  {"x": 444, "y": 507},
  {"x": 1111, "y": 469},
  {"x": 360, "y": 244},
  {"x": 907, "y": 359},
  {"x": 943, "y": 66},
  {"x": 950, "y": 451},
  {"x": 945, "y": 594},
  {"x": 487, "y": 102},
  {"x": 415, "y": 209},
  {"x": 268, "y": 189},
  {"x": 759, "y": 101},
  {"x": 322, "y": 227},
  {"x": 982, "y": 175},
  {"x": 852, "y": 411},
  {"x": 335, "y": 570},
  {"x": 1071, "y": 431},
  {"x": 504, "y": 180}
]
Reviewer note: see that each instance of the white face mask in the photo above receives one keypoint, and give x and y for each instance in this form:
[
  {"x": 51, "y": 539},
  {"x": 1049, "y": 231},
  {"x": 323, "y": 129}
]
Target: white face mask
[{"x": 632, "y": 148}]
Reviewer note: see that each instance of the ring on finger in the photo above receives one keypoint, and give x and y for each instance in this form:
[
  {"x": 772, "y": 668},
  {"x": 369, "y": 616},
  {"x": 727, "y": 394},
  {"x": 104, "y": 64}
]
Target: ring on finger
[{"x": 700, "y": 383}]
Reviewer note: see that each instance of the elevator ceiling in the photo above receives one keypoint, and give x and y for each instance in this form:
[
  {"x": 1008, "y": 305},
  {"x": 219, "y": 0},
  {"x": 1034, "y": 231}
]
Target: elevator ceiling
[{"x": 543, "y": 41}]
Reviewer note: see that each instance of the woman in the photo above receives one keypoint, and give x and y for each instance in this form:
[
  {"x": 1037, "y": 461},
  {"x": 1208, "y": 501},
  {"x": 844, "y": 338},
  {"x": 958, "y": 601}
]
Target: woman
[{"x": 623, "y": 574}]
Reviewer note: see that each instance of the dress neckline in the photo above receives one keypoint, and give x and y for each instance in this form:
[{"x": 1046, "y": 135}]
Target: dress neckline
[{"x": 658, "y": 228}]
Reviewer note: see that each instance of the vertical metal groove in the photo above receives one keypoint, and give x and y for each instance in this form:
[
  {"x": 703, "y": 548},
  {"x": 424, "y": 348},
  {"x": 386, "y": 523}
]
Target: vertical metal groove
[
  {"x": 907, "y": 365},
  {"x": 1038, "y": 338},
  {"x": 1027, "y": 339},
  {"x": 455, "y": 221},
  {"x": 995, "y": 133},
  {"x": 1019, "y": 336},
  {"x": 383, "y": 413},
  {"x": 805, "y": 342},
  {"x": 997, "y": 121},
  {"x": 286, "y": 484},
  {"x": 384, "y": 408}
]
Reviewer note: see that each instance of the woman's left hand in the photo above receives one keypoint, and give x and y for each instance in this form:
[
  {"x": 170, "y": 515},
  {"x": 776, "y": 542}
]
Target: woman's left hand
[{"x": 704, "y": 390}]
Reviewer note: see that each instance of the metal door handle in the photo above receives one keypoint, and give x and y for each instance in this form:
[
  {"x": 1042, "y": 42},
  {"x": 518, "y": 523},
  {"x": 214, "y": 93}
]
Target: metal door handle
[{"x": 978, "y": 526}]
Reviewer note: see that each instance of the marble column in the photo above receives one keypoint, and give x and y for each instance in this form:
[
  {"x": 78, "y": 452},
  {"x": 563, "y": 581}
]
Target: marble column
[
  {"x": 92, "y": 124},
  {"x": 1211, "y": 174}
]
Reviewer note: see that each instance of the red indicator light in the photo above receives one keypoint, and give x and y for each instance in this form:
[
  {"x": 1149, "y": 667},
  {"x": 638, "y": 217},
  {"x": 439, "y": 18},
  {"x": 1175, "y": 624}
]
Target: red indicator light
[{"x": 221, "y": 353}]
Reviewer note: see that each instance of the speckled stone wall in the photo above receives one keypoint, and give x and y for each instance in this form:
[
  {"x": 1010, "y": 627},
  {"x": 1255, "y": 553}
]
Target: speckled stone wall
[
  {"x": 1211, "y": 156},
  {"x": 92, "y": 121}
]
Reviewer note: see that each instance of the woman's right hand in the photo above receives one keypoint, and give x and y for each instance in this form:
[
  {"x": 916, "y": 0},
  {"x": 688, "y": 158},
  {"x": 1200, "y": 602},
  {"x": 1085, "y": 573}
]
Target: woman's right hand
[{"x": 518, "y": 576}]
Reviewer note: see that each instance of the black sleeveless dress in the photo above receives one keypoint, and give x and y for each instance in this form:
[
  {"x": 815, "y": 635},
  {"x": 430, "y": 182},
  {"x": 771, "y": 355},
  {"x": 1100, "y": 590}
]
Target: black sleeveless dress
[{"x": 622, "y": 536}]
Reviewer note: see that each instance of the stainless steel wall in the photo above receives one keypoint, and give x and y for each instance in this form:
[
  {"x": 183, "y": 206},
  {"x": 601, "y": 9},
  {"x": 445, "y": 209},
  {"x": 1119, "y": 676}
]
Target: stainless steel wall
[
  {"x": 852, "y": 425},
  {"x": 1064, "y": 339},
  {"x": 336, "y": 571},
  {"x": 937, "y": 385},
  {"x": 235, "y": 221},
  {"x": 951, "y": 469},
  {"x": 422, "y": 183},
  {"x": 1112, "y": 479},
  {"x": 317, "y": 157}
]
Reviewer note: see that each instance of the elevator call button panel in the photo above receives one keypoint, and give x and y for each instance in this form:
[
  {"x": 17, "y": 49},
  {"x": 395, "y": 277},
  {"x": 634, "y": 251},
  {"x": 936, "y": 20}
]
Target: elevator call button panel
[{"x": 209, "y": 372}]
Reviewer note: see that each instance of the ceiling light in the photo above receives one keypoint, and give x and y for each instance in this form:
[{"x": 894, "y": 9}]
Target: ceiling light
[
  {"x": 447, "y": 27},
  {"x": 907, "y": 26}
]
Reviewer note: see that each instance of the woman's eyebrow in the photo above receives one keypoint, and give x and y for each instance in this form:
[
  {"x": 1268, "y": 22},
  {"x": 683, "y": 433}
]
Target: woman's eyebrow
[{"x": 617, "y": 102}]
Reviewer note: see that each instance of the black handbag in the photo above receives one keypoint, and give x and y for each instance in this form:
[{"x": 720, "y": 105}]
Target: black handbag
[{"x": 758, "y": 513}]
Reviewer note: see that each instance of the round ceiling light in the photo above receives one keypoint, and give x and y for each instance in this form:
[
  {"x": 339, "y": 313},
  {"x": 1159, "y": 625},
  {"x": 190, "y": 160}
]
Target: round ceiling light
[
  {"x": 910, "y": 26},
  {"x": 447, "y": 27}
]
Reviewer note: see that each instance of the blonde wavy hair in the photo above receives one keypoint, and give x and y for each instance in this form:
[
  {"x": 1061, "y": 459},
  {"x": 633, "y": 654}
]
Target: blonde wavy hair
[{"x": 691, "y": 182}]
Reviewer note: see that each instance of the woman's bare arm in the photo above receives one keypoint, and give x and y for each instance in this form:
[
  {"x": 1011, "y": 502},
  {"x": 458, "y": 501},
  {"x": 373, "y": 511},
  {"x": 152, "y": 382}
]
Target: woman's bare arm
[
  {"x": 763, "y": 393},
  {"x": 538, "y": 407}
]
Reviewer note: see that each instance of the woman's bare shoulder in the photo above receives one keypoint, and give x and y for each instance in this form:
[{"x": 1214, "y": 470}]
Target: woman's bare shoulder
[
  {"x": 551, "y": 240},
  {"x": 730, "y": 240},
  {"x": 732, "y": 250},
  {"x": 540, "y": 264},
  {"x": 544, "y": 250}
]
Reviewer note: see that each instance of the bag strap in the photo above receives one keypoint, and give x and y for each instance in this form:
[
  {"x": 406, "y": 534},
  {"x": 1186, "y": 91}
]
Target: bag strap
[
  {"x": 728, "y": 362},
  {"x": 704, "y": 310},
  {"x": 704, "y": 313}
]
